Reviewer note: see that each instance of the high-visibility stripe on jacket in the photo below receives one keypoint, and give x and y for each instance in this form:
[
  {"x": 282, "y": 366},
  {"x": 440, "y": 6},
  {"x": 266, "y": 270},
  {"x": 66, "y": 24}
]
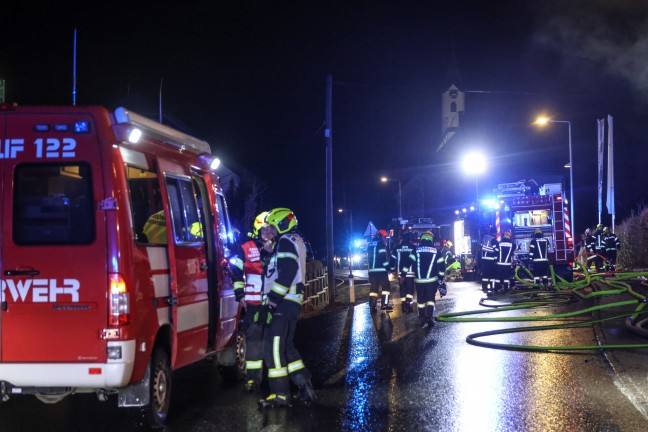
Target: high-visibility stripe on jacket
[
  {"x": 400, "y": 259},
  {"x": 377, "y": 256},
  {"x": 427, "y": 263},
  {"x": 290, "y": 269},
  {"x": 539, "y": 249},
  {"x": 247, "y": 270}
]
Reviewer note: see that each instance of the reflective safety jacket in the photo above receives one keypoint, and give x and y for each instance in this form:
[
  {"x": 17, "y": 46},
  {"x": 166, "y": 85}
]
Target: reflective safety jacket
[
  {"x": 504, "y": 253},
  {"x": 612, "y": 243},
  {"x": 400, "y": 259},
  {"x": 427, "y": 262},
  {"x": 590, "y": 243},
  {"x": 377, "y": 256},
  {"x": 247, "y": 271},
  {"x": 488, "y": 250},
  {"x": 599, "y": 241},
  {"x": 539, "y": 249},
  {"x": 290, "y": 261}
]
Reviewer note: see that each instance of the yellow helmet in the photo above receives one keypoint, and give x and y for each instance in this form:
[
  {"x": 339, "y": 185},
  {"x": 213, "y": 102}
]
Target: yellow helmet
[
  {"x": 507, "y": 236},
  {"x": 427, "y": 235},
  {"x": 282, "y": 219},
  {"x": 449, "y": 243},
  {"x": 259, "y": 221},
  {"x": 196, "y": 229}
]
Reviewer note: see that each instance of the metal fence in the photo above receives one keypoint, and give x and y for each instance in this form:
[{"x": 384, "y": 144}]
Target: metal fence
[{"x": 316, "y": 292}]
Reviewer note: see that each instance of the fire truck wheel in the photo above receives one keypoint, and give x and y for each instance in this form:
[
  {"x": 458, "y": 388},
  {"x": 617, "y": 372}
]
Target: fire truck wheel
[
  {"x": 159, "y": 388},
  {"x": 235, "y": 372}
]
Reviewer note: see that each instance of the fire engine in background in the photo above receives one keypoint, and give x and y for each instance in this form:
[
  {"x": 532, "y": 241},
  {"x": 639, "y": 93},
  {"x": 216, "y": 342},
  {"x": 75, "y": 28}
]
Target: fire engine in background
[
  {"x": 520, "y": 207},
  {"x": 113, "y": 257}
]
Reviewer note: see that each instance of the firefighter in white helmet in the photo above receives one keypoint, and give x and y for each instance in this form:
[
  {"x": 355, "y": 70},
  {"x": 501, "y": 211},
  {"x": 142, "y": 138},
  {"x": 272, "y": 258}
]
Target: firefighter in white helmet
[{"x": 280, "y": 315}]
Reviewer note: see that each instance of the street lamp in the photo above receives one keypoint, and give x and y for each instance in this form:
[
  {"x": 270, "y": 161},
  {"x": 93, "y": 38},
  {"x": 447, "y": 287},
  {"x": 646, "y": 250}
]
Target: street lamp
[
  {"x": 400, "y": 202},
  {"x": 474, "y": 163},
  {"x": 542, "y": 121}
]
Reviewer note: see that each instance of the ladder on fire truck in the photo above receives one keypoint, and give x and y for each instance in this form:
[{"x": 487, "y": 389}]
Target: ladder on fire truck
[{"x": 559, "y": 227}]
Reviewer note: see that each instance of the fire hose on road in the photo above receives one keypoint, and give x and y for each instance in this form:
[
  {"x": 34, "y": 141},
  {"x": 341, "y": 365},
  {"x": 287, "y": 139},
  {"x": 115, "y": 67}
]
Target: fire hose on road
[{"x": 590, "y": 287}]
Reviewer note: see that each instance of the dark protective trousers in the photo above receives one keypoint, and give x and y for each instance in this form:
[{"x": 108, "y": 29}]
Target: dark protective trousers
[
  {"x": 378, "y": 280},
  {"x": 254, "y": 345},
  {"x": 541, "y": 272},
  {"x": 406, "y": 286},
  {"x": 488, "y": 273},
  {"x": 425, "y": 295},
  {"x": 281, "y": 357},
  {"x": 598, "y": 259},
  {"x": 504, "y": 273}
]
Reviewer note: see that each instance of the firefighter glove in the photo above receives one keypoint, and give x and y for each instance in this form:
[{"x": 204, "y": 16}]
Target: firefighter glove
[
  {"x": 264, "y": 315},
  {"x": 443, "y": 290}
]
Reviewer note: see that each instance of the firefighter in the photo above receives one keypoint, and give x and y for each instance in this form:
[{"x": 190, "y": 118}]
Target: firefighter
[
  {"x": 378, "y": 272},
  {"x": 539, "y": 251},
  {"x": 429, "y": 269},
  {"x": 247, "y": 277},
  {"x": 155, "y": 229},
  {"x": 399, "y": 261},
  {"x": 280, "y": 314},
  {"x": 590, "y": 245},
  {"x": 599, "y": 247},
  {"x": 504, "y": 251},
  {"x": 488, "y": 263},
  {"x": 612, "y": 246}
]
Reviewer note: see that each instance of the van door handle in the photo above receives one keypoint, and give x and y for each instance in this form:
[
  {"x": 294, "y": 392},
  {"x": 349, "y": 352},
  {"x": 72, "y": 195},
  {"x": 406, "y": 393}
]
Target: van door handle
[{"x": 21, "y": 272}]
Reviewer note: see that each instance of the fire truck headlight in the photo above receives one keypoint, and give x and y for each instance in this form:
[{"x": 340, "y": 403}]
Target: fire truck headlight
[
  {"x": 134, "y": 136},
  {"x": 114, "y": 352},
  {"x": 215, "y": 163}
]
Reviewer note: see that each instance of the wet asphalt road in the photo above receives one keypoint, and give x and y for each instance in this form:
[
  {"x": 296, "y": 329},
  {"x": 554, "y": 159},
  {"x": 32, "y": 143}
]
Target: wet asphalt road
[{"x": 384, "y": 373}]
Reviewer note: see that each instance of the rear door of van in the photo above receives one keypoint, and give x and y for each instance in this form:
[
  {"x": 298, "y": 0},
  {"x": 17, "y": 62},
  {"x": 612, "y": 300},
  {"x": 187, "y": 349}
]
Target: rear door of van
[{"x": 53, "y": 240}]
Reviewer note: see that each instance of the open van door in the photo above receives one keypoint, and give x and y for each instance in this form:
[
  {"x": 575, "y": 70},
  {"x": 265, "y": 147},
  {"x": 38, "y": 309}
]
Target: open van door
[{"x": 53, "y": 240}]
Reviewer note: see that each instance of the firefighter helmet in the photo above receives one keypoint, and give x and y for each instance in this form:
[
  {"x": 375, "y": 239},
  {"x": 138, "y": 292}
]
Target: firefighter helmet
[
  {"x": 506, "y": 235},
  {"x": 449, "y": 243},
  {"x": 599, "y": 226},
  {"x": 259, "y": 221},
  {"x": 588, "y": 231},
  {"x": 427, "y": 235},
  {"x": 537, "y": 233},
  {"x": 605, "y": 230},
  {"x": 282, "y": 219}
]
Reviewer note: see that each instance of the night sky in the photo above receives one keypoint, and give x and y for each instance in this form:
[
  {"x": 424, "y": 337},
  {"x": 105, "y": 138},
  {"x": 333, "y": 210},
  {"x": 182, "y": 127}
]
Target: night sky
[{"x": 249, "y": 77}]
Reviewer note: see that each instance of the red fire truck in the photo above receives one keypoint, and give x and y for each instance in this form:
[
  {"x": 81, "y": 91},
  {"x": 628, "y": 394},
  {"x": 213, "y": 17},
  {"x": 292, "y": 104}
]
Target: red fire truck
[
  {"x": 519, "y": 208},
  {"x": 113, "y": 257}
]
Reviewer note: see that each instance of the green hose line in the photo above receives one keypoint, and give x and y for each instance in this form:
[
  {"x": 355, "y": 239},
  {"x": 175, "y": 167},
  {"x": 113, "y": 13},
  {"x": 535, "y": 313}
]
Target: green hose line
[
  {"x": 452, "y": 317},
  {"x": 472, "y": 339},
  {"x": 592, "y": 286}
]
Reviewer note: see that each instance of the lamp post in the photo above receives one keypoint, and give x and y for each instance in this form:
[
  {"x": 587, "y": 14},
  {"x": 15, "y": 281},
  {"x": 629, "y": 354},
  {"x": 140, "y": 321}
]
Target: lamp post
[
  {"x": 351, "y": 283},
  {"x": 542, "y": 121},
  {"x": 400, "y": 202}
]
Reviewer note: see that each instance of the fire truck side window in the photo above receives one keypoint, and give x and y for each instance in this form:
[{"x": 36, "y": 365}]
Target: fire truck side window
[
  {"x": 53, "y": 204},
  {"x": 185, "y": 215},
  {"x": 145, "y": 199},
  {"x": 225, "y": 228}
]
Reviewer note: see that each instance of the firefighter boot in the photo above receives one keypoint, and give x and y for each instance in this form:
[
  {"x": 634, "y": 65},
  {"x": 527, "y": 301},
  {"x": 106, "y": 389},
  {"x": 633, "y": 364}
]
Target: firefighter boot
[
  {"x": 251, "y": 386},
  {"x": 385, "y": 303},
  {"x": 429, "y": 316},
  {"x": 275, "y": 401},
  {"x": 306, "y": 394},
  {"x": 373, "y": 303}
]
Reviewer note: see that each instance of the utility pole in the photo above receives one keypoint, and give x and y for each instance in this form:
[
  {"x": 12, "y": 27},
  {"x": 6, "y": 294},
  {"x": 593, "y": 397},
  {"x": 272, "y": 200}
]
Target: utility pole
[{"x": 328, "y": 135}]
